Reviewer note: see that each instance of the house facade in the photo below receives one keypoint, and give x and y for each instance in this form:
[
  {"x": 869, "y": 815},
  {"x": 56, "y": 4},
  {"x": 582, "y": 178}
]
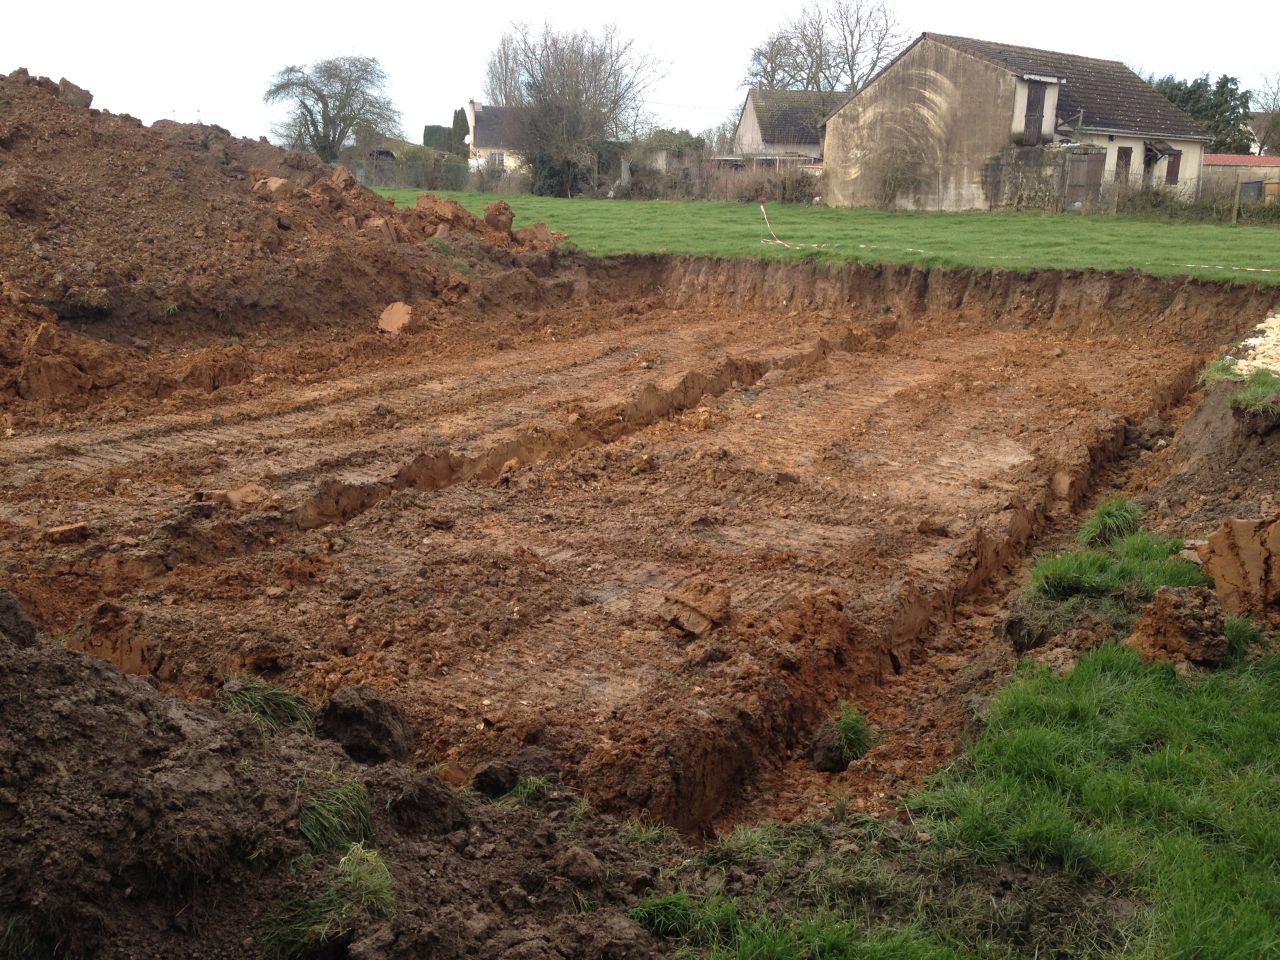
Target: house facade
[
  {"x": 494, "y": 135},
  {"x": 781, "y": 127},
  {"x": 960, "y": 124}
]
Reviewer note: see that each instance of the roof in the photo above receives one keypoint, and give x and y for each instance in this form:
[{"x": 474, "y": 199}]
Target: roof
[
  {"x": 498, "y": 127},
  {"x": 1114, "y": 98},
  {"x": 790, "y": 116},
  {"x": 1239, "y": 160}
]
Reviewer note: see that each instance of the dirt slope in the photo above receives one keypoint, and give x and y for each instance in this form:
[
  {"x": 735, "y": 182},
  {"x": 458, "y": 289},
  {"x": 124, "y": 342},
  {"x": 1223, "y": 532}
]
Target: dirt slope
[
  {"x": 136, "y": 824},
  {"x": 141, "y": 239}
]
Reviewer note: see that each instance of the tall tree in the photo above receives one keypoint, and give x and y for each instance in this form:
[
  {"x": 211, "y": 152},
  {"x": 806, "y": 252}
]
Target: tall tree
[
  {"x": 1266, "y": 116},
  {"x": 1221, "y": 106},
  {"x": 330, "y": 101},
  {"x": 577, "y": 91},
  {"x": 830, "y": 46},
  {"x": 458, "y": 134}
]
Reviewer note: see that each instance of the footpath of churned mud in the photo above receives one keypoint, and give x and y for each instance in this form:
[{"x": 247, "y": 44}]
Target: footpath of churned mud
[{"x": 656, "y": 518}]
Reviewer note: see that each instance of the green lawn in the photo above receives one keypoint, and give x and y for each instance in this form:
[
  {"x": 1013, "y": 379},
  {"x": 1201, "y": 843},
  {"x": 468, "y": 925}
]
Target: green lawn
[{"x": 1010, "y": 240}]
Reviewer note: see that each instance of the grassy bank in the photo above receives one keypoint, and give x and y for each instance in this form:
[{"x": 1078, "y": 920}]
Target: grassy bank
[
  {"x": 1120, "y": 810},
  {"x": 1009, "y": 240}
]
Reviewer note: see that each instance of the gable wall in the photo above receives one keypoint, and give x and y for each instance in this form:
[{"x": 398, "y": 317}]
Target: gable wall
[{"x": 921, "y": 135}]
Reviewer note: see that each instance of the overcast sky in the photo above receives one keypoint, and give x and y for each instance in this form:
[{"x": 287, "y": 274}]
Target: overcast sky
[{"x": 212, "y": 61}]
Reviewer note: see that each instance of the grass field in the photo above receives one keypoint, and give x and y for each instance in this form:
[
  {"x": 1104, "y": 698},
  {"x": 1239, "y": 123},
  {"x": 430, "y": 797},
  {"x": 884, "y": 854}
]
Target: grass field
[{"x": 1010, "y": 240}]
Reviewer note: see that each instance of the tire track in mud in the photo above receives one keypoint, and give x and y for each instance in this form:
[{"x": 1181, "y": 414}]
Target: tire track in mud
[{"x": 337, "y": 501}]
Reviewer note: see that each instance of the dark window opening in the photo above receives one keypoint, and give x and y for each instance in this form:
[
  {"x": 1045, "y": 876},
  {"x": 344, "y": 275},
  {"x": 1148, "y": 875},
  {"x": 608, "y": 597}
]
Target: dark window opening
[
  {"x": 1034, "y": 118},
  {"x": 1173, "y": 167},
  {"x": 1124, "y": 160}
]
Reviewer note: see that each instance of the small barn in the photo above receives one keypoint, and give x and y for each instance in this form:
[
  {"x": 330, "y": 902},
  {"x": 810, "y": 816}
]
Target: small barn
[
  {"x": 959, "y": 124},
  {"x": 781, "y": 127}
]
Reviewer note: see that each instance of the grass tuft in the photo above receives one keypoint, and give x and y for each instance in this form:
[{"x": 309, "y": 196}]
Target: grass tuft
[
  {"x": 531, "y": 789},
  {"x": 337, "y": 818},
  {"x": 1079, "y": 573},
  {"x": 17, "y": 939},
  {"x": 272, "y": 708},
  {"x": 853, "y": 733},
  {"x": 362, "y": 889},
  {"x": 1261, "y": 394},
  {"x": 1217, "y": 371},
  {"x": 1112, "y": 519},
  {"x": 1242, "y": 633},
  {"x": 644, "y": 832}
]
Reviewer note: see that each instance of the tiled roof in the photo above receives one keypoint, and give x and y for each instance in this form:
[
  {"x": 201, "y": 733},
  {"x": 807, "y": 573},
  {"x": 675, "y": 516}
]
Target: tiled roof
[
  {"x": 1112, "y": 96},
  {"x": 791, "y": 116},
  {"x": 1239, "y": 160},
  {"x": 499, "y": 127}
]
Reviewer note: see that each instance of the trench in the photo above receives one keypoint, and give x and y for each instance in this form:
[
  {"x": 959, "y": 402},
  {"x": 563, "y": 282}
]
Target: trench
[{"x": 711, "y": 751}]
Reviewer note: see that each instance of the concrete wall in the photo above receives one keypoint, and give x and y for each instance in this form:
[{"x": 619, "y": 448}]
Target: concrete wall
[
  {"x": 921, "y": 135},
  {"x": 746, "y": 139},
  {"x": 1222, "y": 178},
  {"x": 1189, "y": 173}
]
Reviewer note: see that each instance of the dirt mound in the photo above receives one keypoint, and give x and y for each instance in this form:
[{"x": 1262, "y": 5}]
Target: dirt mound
[
  {"x": 1222, "y": 464},
  {"x": 136, "y": 824},
  {"x": 181, "y": 233},
  {"x": 1181, "y": 625}
]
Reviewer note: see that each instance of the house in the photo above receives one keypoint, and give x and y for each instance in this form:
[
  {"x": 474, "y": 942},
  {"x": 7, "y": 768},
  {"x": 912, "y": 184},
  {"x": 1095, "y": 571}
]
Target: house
[
  {"x": 494, "y": 135},
  {"x": 959, "y": 124},
  {"x": 780, "y": 127},
  {"x": 1258, "y": 177}
]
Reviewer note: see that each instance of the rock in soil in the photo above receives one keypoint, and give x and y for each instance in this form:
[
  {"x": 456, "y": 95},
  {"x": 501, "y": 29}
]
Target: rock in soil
[
  {"x": 1243, "y": 559},
  {"x": 370, "y": 727},
  {"x": 14, "y": 625},
  {"x": 1181, "y": 625},
  {"x": 825, "y": 752},
  {"x": 496, "y": 778}
]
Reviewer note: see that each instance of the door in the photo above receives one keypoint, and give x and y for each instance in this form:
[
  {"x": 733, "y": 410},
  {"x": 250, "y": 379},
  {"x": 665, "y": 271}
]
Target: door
[
  {"x": 1124, "y": 160},
  {"x": 1034, "y": 119}
]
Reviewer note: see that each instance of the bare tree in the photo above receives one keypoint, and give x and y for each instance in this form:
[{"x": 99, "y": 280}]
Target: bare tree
[
  {"x": 830, "y": 46},
  {"x": 1266, "y": 115},
  {"x": 504, "y": 80},
  {"x": 331, "y": 99},
  {"x": 577, "y": 90}
]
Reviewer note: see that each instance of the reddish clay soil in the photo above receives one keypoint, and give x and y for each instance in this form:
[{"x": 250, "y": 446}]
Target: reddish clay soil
[{"x": 658, "y": 532}]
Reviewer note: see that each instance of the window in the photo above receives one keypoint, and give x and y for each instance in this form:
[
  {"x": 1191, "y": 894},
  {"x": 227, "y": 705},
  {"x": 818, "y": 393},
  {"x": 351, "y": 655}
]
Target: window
[
  {"x": 1173, "y": 167},
  {"x": 499, "y": 160}
]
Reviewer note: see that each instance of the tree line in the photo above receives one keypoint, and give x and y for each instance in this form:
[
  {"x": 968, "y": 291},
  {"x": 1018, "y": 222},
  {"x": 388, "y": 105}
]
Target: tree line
[{"x": 579, "y": 92}]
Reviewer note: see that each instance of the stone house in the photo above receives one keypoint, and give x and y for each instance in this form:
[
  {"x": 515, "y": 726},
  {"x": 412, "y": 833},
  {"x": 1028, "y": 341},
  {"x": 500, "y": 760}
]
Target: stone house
[
  {"x": 781, "y": 127},
  {"x": 494, "y": 135},
  {"x": 959, "y": 124}
]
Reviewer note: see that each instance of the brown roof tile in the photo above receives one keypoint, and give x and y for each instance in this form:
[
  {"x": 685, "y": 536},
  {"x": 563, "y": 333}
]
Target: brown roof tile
[
  {"x": 791, "y": 117},
  {"x": 1112, "y": 96}
]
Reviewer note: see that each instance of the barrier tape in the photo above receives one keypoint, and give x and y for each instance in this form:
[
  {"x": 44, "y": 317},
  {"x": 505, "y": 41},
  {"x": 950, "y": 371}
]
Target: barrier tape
[{"x": 776, "y": 240}]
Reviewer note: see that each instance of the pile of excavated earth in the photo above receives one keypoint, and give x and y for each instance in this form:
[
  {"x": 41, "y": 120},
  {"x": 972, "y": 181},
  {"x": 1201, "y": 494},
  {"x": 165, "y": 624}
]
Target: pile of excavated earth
[{"x": 598, "y": 539}]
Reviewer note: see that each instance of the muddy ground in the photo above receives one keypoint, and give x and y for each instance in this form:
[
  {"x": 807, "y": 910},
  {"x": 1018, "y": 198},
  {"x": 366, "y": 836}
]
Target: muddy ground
[{"x": 643, "y": 520}]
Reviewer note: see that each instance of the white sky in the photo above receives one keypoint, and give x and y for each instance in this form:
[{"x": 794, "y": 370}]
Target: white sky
[{"x": 211, "y": 61}]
